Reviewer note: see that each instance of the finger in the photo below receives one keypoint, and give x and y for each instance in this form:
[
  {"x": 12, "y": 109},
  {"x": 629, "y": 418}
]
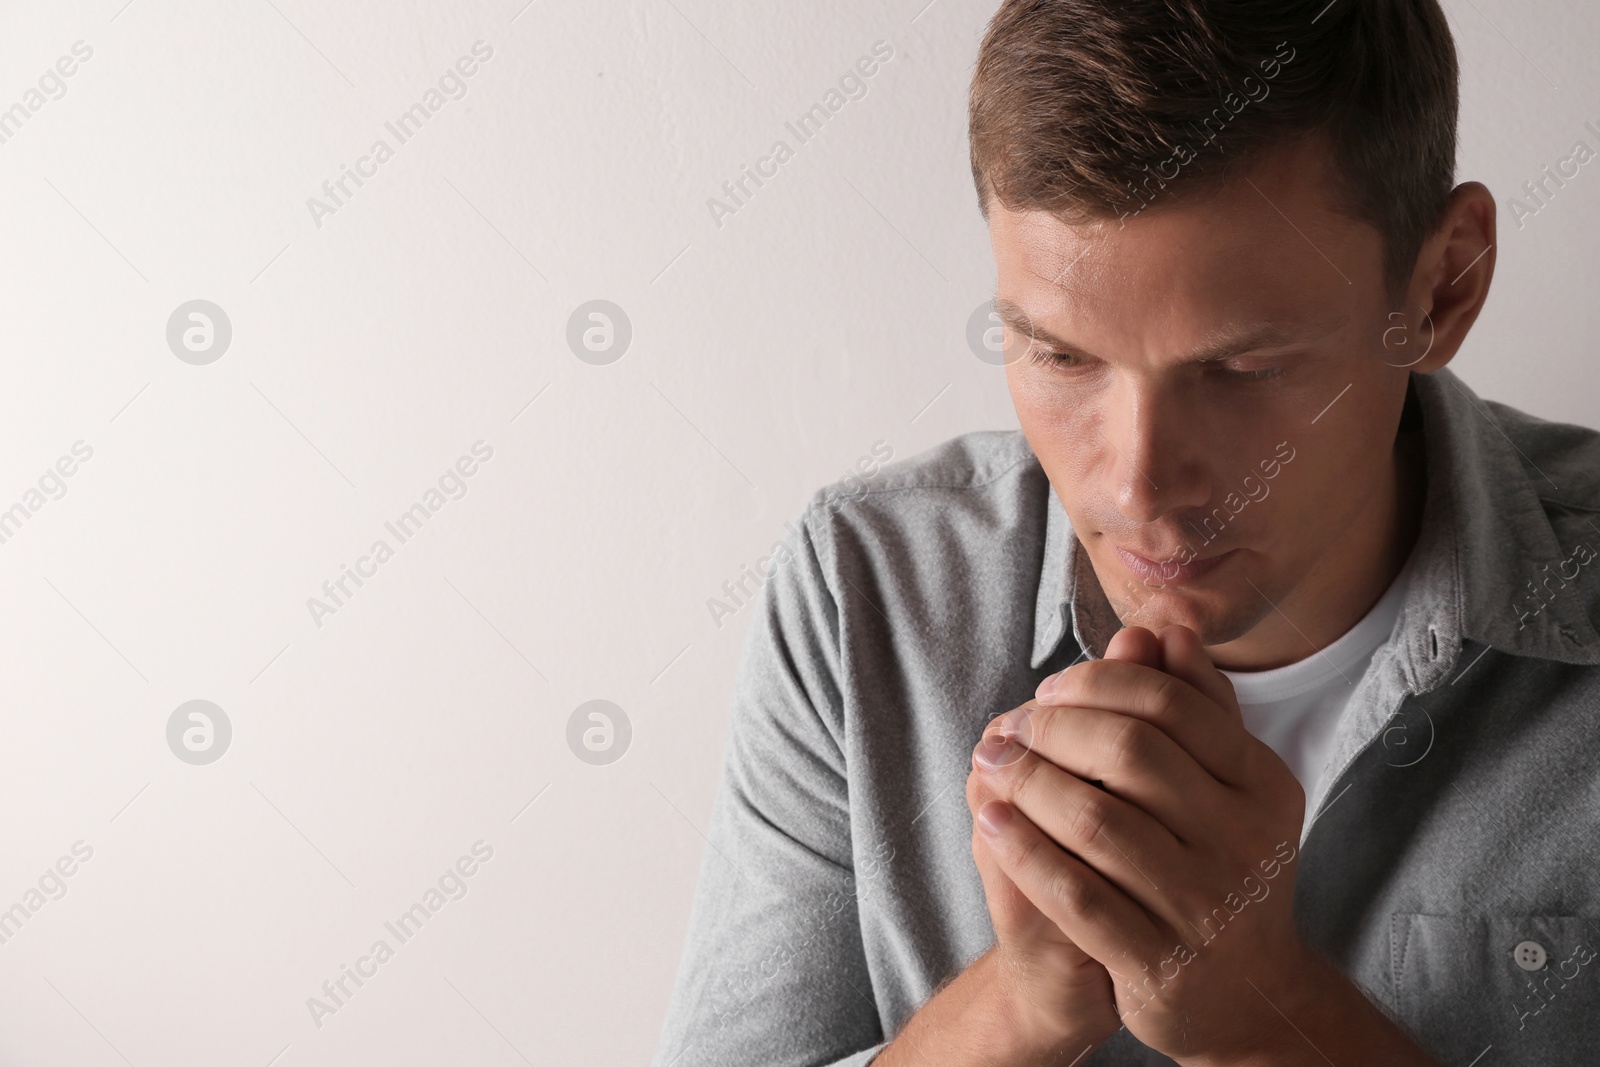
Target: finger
[
  {"x": 1134, "y": 759},
  {"x": 1135, "y": 644},
  {"x": 1131, "y": 644},
  {"x": 1215, "y": 736},
  {"x": 1121, "y": 842},
  {"x": 1095, "y": 914},
  {"x": 1016, "y": 919},
  {"x": 1185, "y": 657}
]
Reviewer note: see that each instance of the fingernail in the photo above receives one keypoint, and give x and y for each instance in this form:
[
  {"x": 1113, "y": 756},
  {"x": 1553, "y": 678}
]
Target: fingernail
[
  {"x": 1013, "y": 722},
  {"x": 994, "y": 751},
  {"x": 993, "y": 817},
  {"x": 1047, "y": 687}
]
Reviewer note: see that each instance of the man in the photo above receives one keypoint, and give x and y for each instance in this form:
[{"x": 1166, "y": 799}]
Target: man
[{"x": 1297, "y": 633}]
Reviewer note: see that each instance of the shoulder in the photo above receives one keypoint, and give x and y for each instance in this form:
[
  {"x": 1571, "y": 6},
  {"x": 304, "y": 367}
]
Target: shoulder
[
  {"x": 1561, "y": 460},
  {"x": 1562, "y": 464},
  {"x": 982, "y": 479}
]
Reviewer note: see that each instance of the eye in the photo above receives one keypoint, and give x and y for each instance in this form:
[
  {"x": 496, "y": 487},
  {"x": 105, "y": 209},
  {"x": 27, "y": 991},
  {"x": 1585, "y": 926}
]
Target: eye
[
  {"x": 1254, "y": 375},
  {"x": 1048, "y": 357}
]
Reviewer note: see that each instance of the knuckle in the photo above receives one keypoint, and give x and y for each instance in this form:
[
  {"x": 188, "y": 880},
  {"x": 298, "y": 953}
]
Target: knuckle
[
  {"x": 1021, "y": 777},
  {"x": 1091, "y": 670},
  {"x": 1033, "y": 721},
  {"x": 1071, "y": 892},
  {"x": 1088, "y": 823},
  {"x": 1163, "y": 697},
  {"x": 1028, "y": 856},
  {"x": 1131, "y": 745},
  {"x": 982, "y": 785},
  {"x": 1079, "y": 678},
  {"x": 1259, "y": 763}
]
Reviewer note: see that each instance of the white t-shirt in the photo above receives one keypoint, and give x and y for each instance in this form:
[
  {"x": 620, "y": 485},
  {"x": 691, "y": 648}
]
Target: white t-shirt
[{"x": 1294, "y": 709}]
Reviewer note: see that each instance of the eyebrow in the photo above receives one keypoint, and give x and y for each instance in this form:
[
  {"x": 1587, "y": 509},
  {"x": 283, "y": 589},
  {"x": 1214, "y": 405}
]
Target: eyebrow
[{"x": 1223, "y": 343}]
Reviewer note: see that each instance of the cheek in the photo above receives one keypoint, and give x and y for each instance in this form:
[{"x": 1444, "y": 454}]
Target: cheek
[
  {"x": 1058, "y": 422},
  {"x": 1310, "y": 499},
  {"x": 1072, "y": 456},
  {"x": 1031, "y": 393}
]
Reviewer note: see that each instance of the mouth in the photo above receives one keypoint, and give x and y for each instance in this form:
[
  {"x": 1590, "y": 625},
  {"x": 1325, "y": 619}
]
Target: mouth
[{"x": 1171, "y": 572}]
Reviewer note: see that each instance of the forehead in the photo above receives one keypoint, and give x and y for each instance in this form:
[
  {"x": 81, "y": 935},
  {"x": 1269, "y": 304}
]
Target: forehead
[{"x": 1269, "y": 245}]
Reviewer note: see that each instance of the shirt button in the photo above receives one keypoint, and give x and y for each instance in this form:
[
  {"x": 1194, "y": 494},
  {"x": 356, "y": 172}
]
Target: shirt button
[{"x": 1530, "y": 955}]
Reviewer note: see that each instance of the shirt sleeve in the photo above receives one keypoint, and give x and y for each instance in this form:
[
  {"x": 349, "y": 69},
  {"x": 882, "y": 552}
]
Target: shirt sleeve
[{"x": 773, "y": 971}]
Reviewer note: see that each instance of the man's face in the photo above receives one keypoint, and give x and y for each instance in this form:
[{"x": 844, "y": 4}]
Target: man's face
[{"x": 1272, "y": 463}]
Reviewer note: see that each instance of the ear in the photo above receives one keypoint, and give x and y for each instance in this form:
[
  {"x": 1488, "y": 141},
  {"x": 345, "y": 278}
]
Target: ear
[{"x": 1451, "y": 279}]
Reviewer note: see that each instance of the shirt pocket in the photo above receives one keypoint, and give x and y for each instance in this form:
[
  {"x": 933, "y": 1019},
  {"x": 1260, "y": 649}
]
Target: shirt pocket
[{"x": 1528, "y": 986}]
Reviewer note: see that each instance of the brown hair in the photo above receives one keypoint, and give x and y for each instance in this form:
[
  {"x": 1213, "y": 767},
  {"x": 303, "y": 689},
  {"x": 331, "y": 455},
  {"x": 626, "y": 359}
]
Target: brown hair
[{"x": 1092, "y": 109}]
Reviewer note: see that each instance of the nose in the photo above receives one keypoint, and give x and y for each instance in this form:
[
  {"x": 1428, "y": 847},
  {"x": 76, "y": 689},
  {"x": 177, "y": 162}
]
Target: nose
[{"x": 1156, "y": 445}]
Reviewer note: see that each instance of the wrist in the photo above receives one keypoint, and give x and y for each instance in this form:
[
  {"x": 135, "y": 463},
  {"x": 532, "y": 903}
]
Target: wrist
[
  {"x": 1276, "y": 1012},
  {"x": 1031, "y": 1033},
  {"x": 1319, "y": 1016}
]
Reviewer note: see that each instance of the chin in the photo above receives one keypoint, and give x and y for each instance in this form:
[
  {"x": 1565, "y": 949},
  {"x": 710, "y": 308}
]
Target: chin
[{"x": 1214, "y": 623}]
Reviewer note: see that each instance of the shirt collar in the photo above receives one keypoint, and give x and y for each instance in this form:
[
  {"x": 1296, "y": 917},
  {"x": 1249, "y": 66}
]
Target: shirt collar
[{"x": 1485, "y": 542}]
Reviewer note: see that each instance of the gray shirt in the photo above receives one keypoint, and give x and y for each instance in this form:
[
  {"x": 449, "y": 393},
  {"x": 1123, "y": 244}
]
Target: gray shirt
[{"x": 1458, "y": 844}]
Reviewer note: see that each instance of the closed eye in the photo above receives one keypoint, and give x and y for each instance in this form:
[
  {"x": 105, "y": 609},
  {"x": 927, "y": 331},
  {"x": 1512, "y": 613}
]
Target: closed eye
[
  {"x": 1254, "y": 375},
  {"x": 1048, "y": 357}
]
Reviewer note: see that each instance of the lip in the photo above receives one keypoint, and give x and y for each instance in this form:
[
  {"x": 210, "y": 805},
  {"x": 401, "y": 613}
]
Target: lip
[{"x": 1161, "y": 573}]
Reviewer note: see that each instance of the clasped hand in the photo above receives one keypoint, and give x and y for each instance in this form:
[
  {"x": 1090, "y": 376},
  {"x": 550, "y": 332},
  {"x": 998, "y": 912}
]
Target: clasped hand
[{"x": 1160, "y": 898}]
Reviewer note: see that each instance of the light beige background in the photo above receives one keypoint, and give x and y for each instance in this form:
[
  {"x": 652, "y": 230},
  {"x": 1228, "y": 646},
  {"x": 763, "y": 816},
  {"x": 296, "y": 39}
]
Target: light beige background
[{"x": 770, "y": 353}]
